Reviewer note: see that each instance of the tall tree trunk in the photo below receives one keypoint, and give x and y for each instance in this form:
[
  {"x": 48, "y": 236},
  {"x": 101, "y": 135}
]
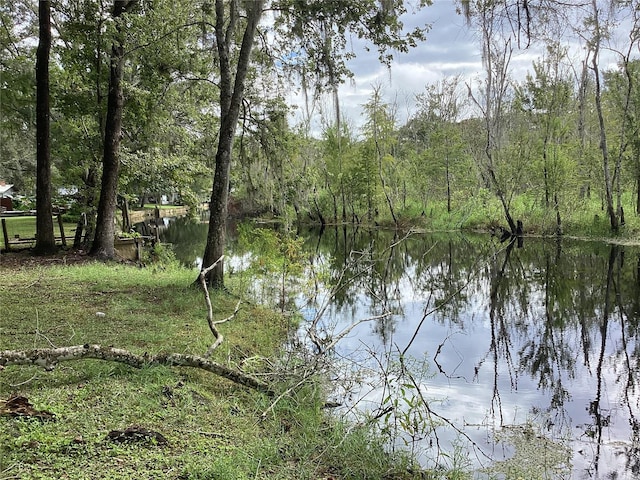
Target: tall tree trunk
[
  {"x": 637, "y": 185},
  {"x": 103, "y": 243},
  {"x": 231, "y": 93},
  {"x": 448, "y": 181},
  {"x": 556, "y": 206},
  {"x": 45, "y": 239},
  {"x": 608, "y": 181},
  {"x": 585, "y": 187}
]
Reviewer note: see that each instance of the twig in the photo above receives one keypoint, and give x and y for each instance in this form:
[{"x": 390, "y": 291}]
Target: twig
[
  {"x": 445, "y": 302},
  {"x": 13, "y": 385},
  {"x": 347, "y": 330},
  {"x": 285, "y": 393},
  {"x": 444, "y": 419},
  {"x": 38, "y": 334},
  {"x": 438, "y": 351},
  {"x": 205, "y": 271},
  {"x": 212, "y": 434}
]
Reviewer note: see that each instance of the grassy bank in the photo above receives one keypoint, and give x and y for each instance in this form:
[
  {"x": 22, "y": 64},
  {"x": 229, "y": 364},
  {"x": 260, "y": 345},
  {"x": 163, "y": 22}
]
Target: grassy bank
[
  {"x": 214, "y": 428},
  {"x": 25, "y": 227},
  {"x": 584, "y": 218}
]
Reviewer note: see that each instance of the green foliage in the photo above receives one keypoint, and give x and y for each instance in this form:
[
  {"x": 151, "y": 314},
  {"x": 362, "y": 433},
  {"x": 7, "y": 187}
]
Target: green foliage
[
  {"x": 17, "y": 108},
  {"x": 210, "y": 423},
  {"x": 159, "y": 255},
  {"x": 280, "y": 258},
  {"x": 152, "y": 171}
]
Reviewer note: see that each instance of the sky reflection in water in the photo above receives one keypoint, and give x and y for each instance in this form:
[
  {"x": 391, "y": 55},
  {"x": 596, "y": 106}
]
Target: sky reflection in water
[{"x": 545, "y": 334}]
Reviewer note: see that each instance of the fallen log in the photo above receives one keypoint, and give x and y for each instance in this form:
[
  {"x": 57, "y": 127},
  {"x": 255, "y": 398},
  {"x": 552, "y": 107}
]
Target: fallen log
[{"x": 48, "y": 358}]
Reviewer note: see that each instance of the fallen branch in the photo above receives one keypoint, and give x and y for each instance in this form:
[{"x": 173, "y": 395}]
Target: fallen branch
[
  {"x": 48, "y": 358},
  {"x": 219, "y": 338}
]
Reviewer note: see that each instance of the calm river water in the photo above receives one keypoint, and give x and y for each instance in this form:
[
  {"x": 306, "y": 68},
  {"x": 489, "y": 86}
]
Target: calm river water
[{"x": 533, "y": 351}]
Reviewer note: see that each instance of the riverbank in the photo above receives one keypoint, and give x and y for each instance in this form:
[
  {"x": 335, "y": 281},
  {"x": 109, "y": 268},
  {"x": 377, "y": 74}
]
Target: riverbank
[
  {"x": 212, "y": 427},
  {"x": 584, "y": 219}
]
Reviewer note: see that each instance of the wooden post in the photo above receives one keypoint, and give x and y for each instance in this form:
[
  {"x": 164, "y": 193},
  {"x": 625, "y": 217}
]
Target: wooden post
[
  {"x": 5, "y": 234},
  {"x": 80, "y": 227},
  {"x": 126, "y": 218},
  {"x": 60, "y": 224}
]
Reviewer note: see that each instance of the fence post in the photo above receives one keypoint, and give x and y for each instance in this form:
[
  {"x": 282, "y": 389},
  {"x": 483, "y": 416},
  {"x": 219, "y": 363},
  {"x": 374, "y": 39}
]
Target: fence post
[
  {"x": 5, "y": 234},
  {"x": 63, "y": 238}
]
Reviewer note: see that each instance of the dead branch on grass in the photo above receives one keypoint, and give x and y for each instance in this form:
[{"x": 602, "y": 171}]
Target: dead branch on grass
[
  {"x": 219, "y": 338},
  {"x": 48, "y": 358}
]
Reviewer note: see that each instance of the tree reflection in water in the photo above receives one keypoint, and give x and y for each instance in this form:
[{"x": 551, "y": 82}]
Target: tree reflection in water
[
  {"x": 546, "y": 334},
  {"x": 559, "y": 325}
]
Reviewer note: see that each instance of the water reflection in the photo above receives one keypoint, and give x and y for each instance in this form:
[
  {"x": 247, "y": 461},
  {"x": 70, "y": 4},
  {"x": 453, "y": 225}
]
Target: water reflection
[{"x": 546, "y": 334}]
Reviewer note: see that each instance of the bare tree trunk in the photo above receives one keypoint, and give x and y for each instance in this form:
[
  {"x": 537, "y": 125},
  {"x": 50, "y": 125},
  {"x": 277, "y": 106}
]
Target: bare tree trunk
[
  {"x": 45, "y": 239},
  {"x": 608, "y": 181},
  {"x": 87, "y": 222},
  {"x": 637, "y": 185},
  {"x": 448, "y": 180},
  {"x": 585, "y": 188},
  {"x": 496, "y": 62},
  {"x": 231, "y": 93},
  {"x": 103, "y": 244},
  {"x": 556, "y": 206},
  {"x": 608, "y": 185}
]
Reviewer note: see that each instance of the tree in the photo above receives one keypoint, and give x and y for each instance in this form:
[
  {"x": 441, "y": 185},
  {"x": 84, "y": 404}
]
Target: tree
[
  {"x": 628, "y": 80},
  {"x": 439, "y": 136},
  {"x": 623, "y": 91},
  {"x": 231, "y": 94},
  {"x": 17, "y": 95},
  {"x": 45, "y": 240},
  {"x": 103, "y": 244},
  {"x": 594, "y": 51},
  {"x": 380, "y": 142},
  {"x": 308, "y": 35},
  {"x": 81, "y": 92},
  {"x": 491, "y": 101},
  {"x": 544, "y": 100},
  {"x": 339, "y": 170}
]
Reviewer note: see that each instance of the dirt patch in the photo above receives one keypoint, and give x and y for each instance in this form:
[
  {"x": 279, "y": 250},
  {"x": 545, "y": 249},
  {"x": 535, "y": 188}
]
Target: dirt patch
[{"x": 26, "y": 258}]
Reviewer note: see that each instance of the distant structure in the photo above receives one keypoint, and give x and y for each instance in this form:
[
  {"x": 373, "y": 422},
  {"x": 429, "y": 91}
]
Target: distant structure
[{"x": 6, "y": 198}]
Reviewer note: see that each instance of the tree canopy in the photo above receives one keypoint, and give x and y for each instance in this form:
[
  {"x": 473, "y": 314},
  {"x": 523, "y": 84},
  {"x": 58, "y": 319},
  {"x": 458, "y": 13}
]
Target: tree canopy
[{"x": 193, "y": 99}]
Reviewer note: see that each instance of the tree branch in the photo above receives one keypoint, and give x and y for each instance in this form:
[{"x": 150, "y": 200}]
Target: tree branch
[
  {"x": 212, "y": 324},
  {"x": 48, "y": 358}
]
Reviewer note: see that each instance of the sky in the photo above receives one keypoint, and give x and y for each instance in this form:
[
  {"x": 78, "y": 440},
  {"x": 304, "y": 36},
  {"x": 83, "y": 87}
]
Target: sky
[{"x": 451, "y": 48}]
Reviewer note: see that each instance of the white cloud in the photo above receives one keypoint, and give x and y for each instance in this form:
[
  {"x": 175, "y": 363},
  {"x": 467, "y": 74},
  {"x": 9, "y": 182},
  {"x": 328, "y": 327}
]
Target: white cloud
[{"x": 451, "y": 48}]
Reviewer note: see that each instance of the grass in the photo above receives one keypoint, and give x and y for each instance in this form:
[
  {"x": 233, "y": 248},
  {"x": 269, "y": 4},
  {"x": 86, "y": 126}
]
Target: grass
[
  {"x": 25, "y": 227},
  {"x": 215, "y": 428},
  {"x": 579, "y": 217}
]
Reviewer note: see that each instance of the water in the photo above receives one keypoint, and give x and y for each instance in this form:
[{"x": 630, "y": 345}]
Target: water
[{"x": 540, "y": 340}]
